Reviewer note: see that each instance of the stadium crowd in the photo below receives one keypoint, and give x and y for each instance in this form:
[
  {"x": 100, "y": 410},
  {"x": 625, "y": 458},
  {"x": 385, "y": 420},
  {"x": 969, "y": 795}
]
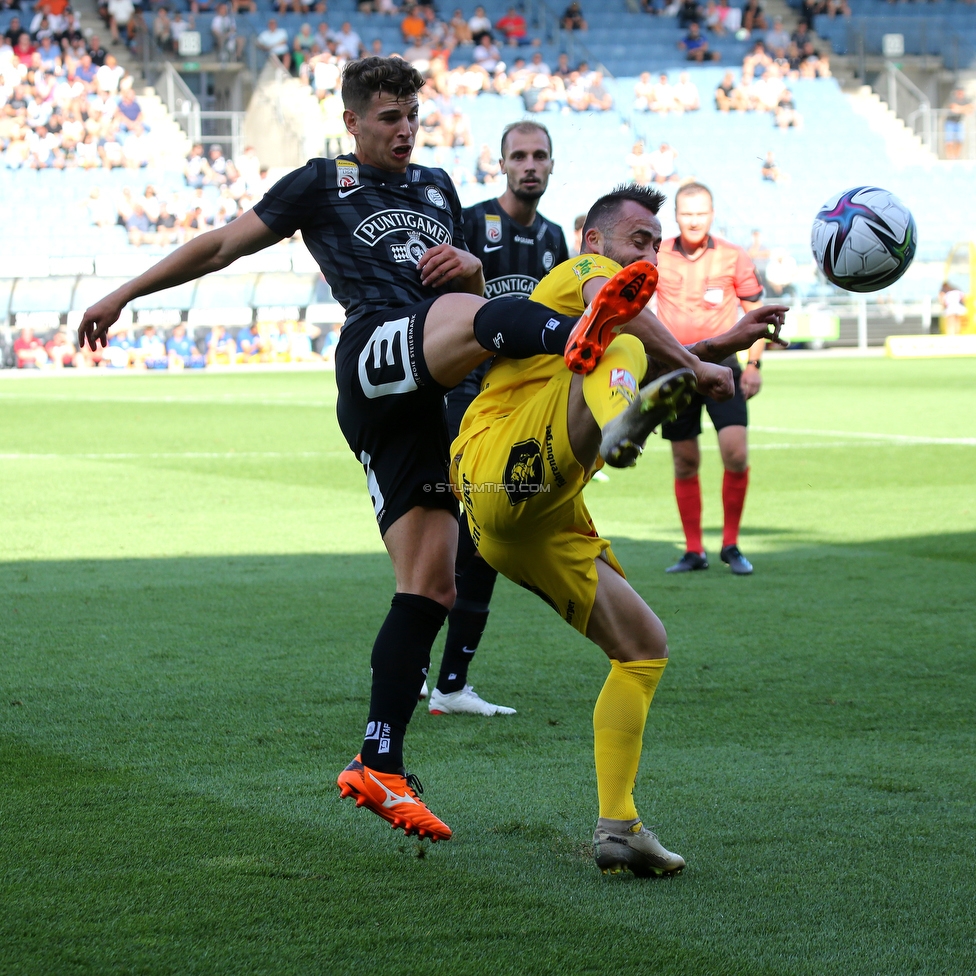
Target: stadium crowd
[
  {"x": 150, "y": 348},
  {"x": 64, "y": 100}
]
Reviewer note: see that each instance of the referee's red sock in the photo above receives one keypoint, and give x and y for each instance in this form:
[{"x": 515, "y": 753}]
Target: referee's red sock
[
  {"x": 734, "y": 486},
  {"x": 687, "y": 491}
]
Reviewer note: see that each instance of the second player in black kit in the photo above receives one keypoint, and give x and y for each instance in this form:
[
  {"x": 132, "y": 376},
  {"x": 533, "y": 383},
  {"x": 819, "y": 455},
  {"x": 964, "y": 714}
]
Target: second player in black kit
[{"x": 517, "y": 247}]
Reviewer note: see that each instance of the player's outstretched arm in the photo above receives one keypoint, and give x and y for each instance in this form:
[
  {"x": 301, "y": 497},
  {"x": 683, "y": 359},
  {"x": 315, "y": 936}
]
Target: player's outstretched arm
[
  {"x": 760, "y": 324},
  {"x": 208, "y": 252},
  {"x": 665, "y": 350}
]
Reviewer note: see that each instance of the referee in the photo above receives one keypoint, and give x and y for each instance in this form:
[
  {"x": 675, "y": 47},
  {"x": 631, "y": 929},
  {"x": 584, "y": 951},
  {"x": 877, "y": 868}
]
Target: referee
[
  {"x": 517, "y": 247},
  {"x": 703, "y": 280}
]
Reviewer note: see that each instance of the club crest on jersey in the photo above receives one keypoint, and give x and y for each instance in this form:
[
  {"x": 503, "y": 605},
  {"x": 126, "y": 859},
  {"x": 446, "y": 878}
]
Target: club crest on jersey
[
  {"x": 436, "y": 197},
  {"x": 548, "y": 260},
  {"x": 409, "y": 222},
  {"x": 409, "y": 253},
  {"x": 493, "y": 228},
  {"x": 347, "y": 173}
]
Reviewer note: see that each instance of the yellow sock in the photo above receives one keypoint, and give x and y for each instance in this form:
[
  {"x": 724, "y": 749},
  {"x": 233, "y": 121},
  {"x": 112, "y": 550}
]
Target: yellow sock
[
  {"x": 612, "y": 386},
  {"x": 618, "y": 732}
]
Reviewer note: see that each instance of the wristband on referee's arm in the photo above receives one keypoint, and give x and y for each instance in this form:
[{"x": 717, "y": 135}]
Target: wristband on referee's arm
[{"x": 755, "y": 362}]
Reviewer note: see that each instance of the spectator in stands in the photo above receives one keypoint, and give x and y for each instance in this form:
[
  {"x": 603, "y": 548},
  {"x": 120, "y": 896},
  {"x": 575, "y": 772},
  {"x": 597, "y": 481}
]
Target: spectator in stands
[
  {"x": 13, "y": 31},
  {"x": 600, "y": 100},
  {"x": 121, "y": 352},
  {"x": 139, "y": 228},
  {"x": 960, "y": 106},
  {"x": 486, "y": 54},
  {"x": 662, "y": 96},
  {"x": 690, "y": 12},
  {"x": 755, "y": 62},
  {"x": 162, "y": 30},
  {"x": 413, "y": 27},
  {"x": 460, "y": 28},
  {"x": 643, "y": 93},
  {"x": 770, "y": 171},
  {"x": 29, "y": 350},
  {"x": 513, "y": 28},
  {"x": 330, "y": 342},
  {"x": 228, "y": 43},
  {"x": 151, "y": 350},
  {"x": 181, "y": 352},
  {"x": 685, "y": 94},
  {"x": 487, "y": 169},
  {"x": 730, "y": 97},
  {"x": 109, "y": 76},
  {"x": 785, "y": 114},
  {"x": 578, "y": 223},
  {"x": 662, "y": 164},
  {"x": 61, "y": 351},
  {"x": 221, "y": 347},
  {"x": 274, "y": 40},
  {"x": 767, "y": 90},
  {"x": 777, "y": 38},
  {"x": 696, "y": 47},
  {"x": 753, "y": 18},
  {"x": 714, "y": 18},
  {"x": 479, "y": 24},
  {"x": 122, "y": 17},
  {"x": 954, "y": 311},
  {"x": 573, "y": 19},
  {"x": 252, "y": 346},
  {"x": 348, "y": 43},
  {"x": 639, "y": 164},
  {"x": 779, "y": 274},
  {"x": 24, "y": 51}
]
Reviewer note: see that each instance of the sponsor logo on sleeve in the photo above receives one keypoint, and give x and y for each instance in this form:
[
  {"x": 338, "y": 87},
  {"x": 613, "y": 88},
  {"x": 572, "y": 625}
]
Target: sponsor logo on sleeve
[
  {"x": 347, "y": 173},
  {"x": 583, "y": 267},
  {"x": 493, "y": 228}
]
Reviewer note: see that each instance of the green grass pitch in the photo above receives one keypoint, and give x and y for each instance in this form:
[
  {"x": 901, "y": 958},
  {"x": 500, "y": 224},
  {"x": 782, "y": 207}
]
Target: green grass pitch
[{"x": 190, "y": 581}]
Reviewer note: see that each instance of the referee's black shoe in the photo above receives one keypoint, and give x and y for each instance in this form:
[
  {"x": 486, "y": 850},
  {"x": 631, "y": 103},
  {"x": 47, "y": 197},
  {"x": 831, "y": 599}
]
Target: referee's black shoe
[
  {"x": 737, "y": 562},
  {"x": 689, "y": 562}
]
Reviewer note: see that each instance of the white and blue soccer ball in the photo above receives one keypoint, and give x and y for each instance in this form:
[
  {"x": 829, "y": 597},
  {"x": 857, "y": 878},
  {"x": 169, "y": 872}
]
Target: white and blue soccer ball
[{"x": 864, "y": 239}]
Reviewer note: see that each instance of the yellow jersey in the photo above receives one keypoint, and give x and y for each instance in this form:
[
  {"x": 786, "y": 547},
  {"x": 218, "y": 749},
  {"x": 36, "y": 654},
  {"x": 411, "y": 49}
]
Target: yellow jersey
[{"x": 510, "y": 382}]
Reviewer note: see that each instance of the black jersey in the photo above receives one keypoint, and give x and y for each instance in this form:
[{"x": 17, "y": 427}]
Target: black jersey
[
  {"x": 515, "y": 257},
  {"x": 366, "y": 228}
]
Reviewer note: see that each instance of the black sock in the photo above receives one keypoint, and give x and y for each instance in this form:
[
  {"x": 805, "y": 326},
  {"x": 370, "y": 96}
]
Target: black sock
[
  {"x": 400, "y": 659},
  {"x": 466, "y": 623},
  {"x": 511, "y": 328}
]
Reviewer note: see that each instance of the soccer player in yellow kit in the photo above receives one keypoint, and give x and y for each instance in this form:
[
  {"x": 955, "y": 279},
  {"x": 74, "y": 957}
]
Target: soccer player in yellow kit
[{"x": 529, "y": 443}]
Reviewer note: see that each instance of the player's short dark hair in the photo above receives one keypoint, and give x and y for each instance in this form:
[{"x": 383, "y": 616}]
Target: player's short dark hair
[
  {"x": 363, "y": 78},
  {"x": 526, "y": 125},
  {"x": 603, "y": 213},
  {"x": 689, "y": 188}
]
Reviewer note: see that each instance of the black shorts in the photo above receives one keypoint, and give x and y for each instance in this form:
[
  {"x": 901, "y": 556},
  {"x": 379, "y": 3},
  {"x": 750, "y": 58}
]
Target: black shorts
[
  {"x": 726, "y": 413},
  {"x": 391, "y": 412}
]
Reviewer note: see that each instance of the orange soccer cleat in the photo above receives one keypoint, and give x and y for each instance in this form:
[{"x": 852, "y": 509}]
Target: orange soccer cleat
[
  {"x": 617, "y": 302},
  {"x": 394, "y": 797}
]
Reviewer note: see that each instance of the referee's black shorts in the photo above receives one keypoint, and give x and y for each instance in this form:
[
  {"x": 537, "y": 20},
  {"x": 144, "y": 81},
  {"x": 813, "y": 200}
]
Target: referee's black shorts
[
  {"x": 727, "y": 413},
  {"x": 391, "y": 412}
]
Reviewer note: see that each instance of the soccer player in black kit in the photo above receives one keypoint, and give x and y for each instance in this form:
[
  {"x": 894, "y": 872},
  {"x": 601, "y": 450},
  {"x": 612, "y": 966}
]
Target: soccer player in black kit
[
  {"x": 517, "y": 247},
  {"x": 388, "y": 238}
]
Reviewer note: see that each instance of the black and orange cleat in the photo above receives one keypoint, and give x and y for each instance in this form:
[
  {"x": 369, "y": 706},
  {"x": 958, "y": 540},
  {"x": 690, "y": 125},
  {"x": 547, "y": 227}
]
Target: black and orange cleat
[
  {"x": 617, "y": 302},
  {"x": 394, "y": 797}
]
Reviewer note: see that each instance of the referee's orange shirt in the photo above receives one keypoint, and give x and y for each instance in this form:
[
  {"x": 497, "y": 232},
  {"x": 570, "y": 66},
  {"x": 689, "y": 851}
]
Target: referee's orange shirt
[{"x": 698, "y": 298}]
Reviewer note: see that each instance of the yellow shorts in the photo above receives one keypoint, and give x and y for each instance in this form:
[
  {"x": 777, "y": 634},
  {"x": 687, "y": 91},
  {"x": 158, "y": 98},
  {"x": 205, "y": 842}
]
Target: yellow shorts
[{"x": 522, "y": 491}]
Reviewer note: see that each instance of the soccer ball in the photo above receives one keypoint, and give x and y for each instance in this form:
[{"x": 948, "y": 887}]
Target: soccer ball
[{"x": 864, "y": 239}]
